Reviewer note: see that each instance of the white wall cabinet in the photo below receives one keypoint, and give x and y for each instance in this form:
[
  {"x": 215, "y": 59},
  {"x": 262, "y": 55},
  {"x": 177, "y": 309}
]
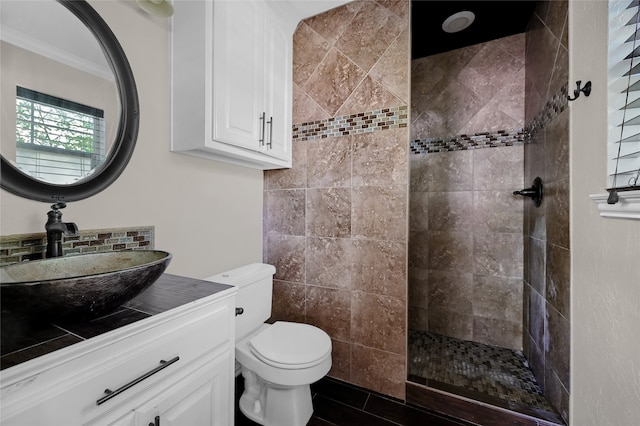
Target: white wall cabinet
[
  {"x": 232, "y": 82},
  {"x": 177, "y": 366}
]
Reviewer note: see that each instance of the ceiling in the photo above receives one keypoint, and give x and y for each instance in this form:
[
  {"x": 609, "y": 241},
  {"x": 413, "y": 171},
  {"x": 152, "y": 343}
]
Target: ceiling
[{"x": 493, "y": 20}]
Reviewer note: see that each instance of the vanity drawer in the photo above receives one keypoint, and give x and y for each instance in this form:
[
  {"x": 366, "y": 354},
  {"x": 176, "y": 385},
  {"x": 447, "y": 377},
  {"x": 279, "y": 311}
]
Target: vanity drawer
[{"x": 127, "y": 362}]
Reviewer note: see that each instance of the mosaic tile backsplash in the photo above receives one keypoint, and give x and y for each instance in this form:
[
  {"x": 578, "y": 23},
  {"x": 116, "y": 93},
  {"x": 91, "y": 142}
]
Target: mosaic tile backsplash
[{"x": 24, "y": 247}]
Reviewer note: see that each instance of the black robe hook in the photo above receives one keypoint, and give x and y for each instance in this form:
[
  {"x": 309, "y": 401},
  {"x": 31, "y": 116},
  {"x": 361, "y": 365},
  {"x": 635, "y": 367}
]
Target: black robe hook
[{"x": 586, "y": 90}]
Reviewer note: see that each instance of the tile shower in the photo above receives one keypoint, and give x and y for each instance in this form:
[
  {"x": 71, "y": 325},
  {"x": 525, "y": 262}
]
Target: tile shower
[{"x": 335, "y": 225}]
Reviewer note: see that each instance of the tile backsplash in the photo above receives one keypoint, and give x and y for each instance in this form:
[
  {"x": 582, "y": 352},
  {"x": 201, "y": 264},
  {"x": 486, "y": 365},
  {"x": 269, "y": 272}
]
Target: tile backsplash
[{"x": 24, "y": 247}]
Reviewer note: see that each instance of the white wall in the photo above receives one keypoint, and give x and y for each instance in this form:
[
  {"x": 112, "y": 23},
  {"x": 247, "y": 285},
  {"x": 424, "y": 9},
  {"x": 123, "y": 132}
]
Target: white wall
[
  {"x": 605, "y": 360},
  {"x": 207, "y": 214}
]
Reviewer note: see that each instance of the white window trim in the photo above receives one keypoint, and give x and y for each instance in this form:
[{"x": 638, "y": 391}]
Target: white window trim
[{"x": 628, "y": 206}]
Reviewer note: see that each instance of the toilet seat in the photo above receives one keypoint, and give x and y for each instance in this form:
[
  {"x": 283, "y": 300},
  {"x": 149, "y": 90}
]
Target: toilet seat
[{"x": 289, "y": 345}]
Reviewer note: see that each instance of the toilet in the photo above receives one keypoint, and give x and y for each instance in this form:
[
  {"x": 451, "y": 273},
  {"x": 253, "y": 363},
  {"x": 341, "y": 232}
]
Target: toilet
[{"x": 278, "y": 361}]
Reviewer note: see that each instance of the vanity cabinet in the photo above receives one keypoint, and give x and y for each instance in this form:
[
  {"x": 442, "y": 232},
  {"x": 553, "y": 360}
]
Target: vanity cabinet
[
  {"x": 232, "y": 82},
  {"x": 173, "y": 368}
]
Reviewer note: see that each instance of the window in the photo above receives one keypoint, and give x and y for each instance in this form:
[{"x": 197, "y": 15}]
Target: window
[
  {"x": 57, "y": 140},
  {"x": 624, "y": 96}
]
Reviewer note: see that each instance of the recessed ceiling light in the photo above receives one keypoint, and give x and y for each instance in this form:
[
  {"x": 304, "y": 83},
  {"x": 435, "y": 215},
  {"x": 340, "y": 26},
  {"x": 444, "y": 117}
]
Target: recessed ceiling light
[{"x": 458, "y": 21}]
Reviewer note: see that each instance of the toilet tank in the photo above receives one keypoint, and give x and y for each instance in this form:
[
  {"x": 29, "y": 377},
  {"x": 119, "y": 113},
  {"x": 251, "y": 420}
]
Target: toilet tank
[{"x": 255, "y": 289}]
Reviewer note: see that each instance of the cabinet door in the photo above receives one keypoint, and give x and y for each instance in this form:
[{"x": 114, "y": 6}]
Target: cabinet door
[
  {"x": 278, "y": 82},
  {"x": 238, "y": 61},
  {"x": 202, "y": 398}
]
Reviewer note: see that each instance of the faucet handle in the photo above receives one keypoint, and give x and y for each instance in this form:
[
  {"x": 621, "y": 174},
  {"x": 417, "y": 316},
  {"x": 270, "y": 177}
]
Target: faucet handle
[{"x": 60, "y": 205}]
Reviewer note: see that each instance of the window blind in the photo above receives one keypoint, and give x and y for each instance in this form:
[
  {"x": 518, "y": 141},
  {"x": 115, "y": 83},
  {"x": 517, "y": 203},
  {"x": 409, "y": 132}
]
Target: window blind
[{"x": 624, "y": 97}]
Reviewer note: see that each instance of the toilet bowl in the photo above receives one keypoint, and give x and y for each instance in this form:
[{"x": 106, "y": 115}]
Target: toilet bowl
[{"x": 277, "y": 361}]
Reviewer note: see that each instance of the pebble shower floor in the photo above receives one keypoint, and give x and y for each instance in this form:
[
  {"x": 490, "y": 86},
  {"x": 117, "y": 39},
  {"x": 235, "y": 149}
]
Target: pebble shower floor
[{"x": 490, "y": 374}]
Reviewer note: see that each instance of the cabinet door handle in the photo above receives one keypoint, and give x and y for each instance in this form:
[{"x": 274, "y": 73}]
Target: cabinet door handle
[
  {"x": 156, "y": 421},
  {"x": 270, "y": 122},
  {"x": 110, "y": 394},
  {"x": 262, "y": 120}
]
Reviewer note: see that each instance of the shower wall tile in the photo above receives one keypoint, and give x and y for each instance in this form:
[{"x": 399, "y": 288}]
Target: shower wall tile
[
  {"x": 287, "y": 254},
  {"x": 340, "y": 360},
  {"x": 288, "y": 302},
  {"x": 369, "y": 34},
  {"x": 330, "y": 310},
  {"x": 377, "y": 321},
  {"x": 450, "y": 171},
  {"x": 419, "y": 288},
  {"x": 329, "y": 262},
  {"x": 328, "y": 212},
  {"x": 305, "y": 109},
  {"x": 328, "y": 162},
  {"x": 418, "y": 318},
  {"x": 419, "y": 249},
  {"x": 498, "y": 254},
  {"x": 419, "y": 211},
  {"x": 451, "y": 323},
  {"x": 537, "y": 319},
  {"x": 296, "y": 176},
  {"x": 497, "y": 211},
  {"x": 351, "y": 168},
  {"x": 420, "y": 169},
  {"x": 556, "y": 393},
  {"x": 450, "y": 211},
  {"x": 285, "y": 211},
  {"x": 496, "y": 332},
  {"x": 380, "y": 158},
  {"x": 378, "y": 370},
  {"x": 537, "y": 264},
  {"x": 392, "y": 70},
  {"x": 333, "y": 81},
  {"x": 498, "y": 168},
  {"x": 557, "y": 347},
  {"x": 558, "y": 280},
  {"x": 499, "y": 298},
  {"x": 451, "y": 251},
  {"x": 557, "y": 213},
  {"x": 378, "y": 267},
  {"x": 379, "y": 212},
  {"x": 557, "y": 148},
  {"x": 453, "y": 291}
]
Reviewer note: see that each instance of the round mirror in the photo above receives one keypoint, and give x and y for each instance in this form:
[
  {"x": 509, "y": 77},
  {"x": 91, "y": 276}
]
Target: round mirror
[{"x": 69, "y": 101}]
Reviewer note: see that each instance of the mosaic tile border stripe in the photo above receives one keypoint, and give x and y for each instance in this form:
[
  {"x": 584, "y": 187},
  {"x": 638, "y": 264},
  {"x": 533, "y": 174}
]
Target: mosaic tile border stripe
[
  {"x": 554, "y": 107},
  {"x": 467, "y": 142},
  {"x": 23, "y": 247},
  {"x": 345, "y": 125}
]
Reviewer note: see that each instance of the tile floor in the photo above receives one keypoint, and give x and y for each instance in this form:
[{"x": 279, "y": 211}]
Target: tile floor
[
  {"x": 498, "y": 376},
  {"x": 337, "y": 403}
]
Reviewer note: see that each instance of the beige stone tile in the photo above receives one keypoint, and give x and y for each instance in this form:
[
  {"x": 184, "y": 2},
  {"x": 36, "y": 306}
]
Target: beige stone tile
[
  {"x": 330, "y": 310},
  {"x": 285, "y": 211},
  {"x": 451, "y": 323},
  {"x": 328, "y": 212},
  {"x": 450, "y": 211},
  {"x": 497, "y": 211},
  {"x": 451, "y": 290},
  {"x": 498, "y": 168},
  {"x": 332, "y": 23},
  {"x": 369, "y": 34},
  {"x": 288, "y": 303},
  {"x": 495, "y": 332},
  {"x": 379, "y": 212},
  {"x": 380, "y": 158},
  {"x": 556, "y": 203},
  {"x": 498, "y": 298},
  {"x": 333, "y": 81},
  {"x": 329, "y": 162},
  {"x": 391, "y": 71},
  {"x": 294, "y": 177},
  {"x": 498, "y": 254},
  {"x": 419, "y": 211},
  {"x": 305, "y": 109},
  {"x": 450, "y": 251},
  {"x": 369, "y": 95},
  {"x": 287, "y": 254},
  {"x": 329, "y": 262},
  {"x": 309, "y": 48},
  {"x": 380, "y": 371},
  {"x": 418, "y": 291},
  {"x": 558, "y": 279},
  {"x": 450, "y": 171},
  {"x": 379, "y": 321},
  {"x": 379, "y": 267}
]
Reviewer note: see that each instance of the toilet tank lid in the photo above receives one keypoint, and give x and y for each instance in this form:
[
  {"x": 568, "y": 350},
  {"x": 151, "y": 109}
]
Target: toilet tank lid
[{"x": 244, "y": 274}]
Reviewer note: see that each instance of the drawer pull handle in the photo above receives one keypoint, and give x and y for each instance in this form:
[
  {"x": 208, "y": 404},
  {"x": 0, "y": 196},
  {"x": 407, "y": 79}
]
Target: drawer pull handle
[
  {"x": 156, "y": 421},
  {"x": 110, "y": 394}
]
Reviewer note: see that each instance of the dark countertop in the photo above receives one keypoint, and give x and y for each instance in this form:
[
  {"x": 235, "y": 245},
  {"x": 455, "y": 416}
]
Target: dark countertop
[{"x": 25, "y": 339}]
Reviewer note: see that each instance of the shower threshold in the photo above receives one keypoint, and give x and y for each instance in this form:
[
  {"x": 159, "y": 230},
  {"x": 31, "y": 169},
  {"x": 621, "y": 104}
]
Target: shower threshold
[{"x": 491, "y": 375}]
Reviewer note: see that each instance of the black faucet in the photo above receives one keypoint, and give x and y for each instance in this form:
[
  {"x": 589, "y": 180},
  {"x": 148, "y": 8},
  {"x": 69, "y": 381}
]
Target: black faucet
[{"x": 55, "y": 228}]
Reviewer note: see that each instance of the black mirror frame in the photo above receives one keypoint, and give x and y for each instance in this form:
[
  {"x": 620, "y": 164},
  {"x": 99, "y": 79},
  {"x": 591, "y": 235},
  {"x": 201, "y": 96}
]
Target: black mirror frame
[{"x": 19, "y": 183}]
